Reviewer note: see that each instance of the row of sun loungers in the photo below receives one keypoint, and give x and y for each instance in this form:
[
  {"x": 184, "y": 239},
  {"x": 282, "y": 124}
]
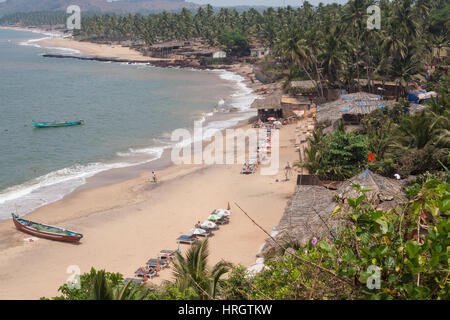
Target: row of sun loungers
[
  {"x": 255, "y": 158},
  {"x": 153, "y": 266},
  {"x": 216, "y": 218}
]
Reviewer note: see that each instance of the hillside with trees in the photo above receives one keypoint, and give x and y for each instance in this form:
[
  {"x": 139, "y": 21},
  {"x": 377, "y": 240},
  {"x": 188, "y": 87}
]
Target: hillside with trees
[{"x": 98, "y": 6}]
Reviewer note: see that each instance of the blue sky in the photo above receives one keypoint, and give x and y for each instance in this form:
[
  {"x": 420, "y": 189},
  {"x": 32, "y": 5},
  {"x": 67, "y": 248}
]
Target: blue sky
[{"x": 262, "y": 2}]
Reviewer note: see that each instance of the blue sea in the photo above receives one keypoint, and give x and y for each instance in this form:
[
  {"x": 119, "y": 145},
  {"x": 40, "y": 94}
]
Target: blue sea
[{"x": 129, "y": 111}]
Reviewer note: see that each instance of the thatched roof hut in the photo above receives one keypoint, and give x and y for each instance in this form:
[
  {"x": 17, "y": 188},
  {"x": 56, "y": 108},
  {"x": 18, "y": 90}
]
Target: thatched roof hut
[
  {"x": 386, "y": 193},
  {"x": 355, "y": 104},
  {"x": 306, "y": 215},
  {"x": 272, "y": 101}
]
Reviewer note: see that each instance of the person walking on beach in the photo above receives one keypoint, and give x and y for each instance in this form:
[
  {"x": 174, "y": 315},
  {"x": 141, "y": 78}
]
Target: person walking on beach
[
  {"x": 154, "y": 177},
  {"x": 287, "y": 171}
]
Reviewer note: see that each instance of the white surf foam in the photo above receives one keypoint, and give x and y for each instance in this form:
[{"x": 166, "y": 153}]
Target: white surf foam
[
  {"x": 68, "y": 50},
  {"x": 55, "y": 185}
]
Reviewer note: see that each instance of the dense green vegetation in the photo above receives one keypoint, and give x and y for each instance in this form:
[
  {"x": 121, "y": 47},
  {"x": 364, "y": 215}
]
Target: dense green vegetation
[
  {"x": 408, "y": 246},
  {"x": 328, "y": 43},
  {"x": 37, "y": 18},
  {"x": 235, "y": 43},
  {"x": 336, "y": 156},
  {"x": 331, "y": 45},
  {"x": 403, "y": 143}
]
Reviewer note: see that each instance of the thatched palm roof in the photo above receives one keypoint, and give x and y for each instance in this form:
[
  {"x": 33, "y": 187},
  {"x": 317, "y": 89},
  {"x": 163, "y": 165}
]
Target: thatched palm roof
[
  {"x": 386, "y": 193},
  {"x": 333, "y": 111},
  {"x": 272, "y": 101},
  {"x": 305, "y": 84},
  {"x": 306, "y": 215}
]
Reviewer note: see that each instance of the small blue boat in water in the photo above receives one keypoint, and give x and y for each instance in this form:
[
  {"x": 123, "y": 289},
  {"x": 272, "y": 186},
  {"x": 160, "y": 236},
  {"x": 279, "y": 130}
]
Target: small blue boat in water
[{"x": 57, "y": 124}]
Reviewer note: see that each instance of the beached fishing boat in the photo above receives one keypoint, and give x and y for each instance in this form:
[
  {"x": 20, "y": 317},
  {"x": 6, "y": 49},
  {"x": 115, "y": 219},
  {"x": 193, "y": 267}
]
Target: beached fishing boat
[
  {"x": 45, "y": 231},
  {"x": 57, "y": 124}
]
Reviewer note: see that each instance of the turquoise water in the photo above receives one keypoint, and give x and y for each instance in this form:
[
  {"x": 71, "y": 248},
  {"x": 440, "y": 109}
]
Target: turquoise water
[{"x": 129, "y": 113}]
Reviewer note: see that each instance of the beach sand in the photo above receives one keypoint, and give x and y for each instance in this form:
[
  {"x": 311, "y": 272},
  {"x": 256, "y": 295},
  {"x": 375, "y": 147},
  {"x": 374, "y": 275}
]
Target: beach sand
[
  {"x": 126, "y": 223},
  {"x": 98, "y": 50}
]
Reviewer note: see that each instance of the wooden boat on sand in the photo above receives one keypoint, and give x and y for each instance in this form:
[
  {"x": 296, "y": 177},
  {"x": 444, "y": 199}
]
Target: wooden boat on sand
[
  {"x": 57, "y": 124},
  {"x": 45, "y": 231}
]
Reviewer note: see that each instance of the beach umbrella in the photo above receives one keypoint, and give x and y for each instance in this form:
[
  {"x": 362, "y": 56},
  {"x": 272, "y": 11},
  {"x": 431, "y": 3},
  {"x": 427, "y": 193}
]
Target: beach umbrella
[
  {"x": 271, "y": 119},
  {"x": 198, "y": 231},
  {"x": 222, "y": 212},
  {"x": 208, "y": 224},
  {"x": 214, "y": 217},
  {"x": 277, "y": 123}
]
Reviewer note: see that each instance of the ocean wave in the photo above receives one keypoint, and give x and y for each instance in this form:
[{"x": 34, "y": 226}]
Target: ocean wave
[
  {"x": 68, "y": 50},
  {"x": 49, "y": 188},
  {"x": 55, "y": 185},
  {"x": 31, "y": 42},
  {"x": 244, "y": 96},
  {"x": 153, "y": 151}
]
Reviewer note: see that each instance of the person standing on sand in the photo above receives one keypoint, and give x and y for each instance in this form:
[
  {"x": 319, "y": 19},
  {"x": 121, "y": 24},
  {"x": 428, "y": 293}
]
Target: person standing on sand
[{"x": 154, "y": 177}]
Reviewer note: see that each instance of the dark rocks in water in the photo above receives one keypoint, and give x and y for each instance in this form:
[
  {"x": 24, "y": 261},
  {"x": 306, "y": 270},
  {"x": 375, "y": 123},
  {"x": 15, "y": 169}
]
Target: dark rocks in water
[{"x": 156, "y": 63}]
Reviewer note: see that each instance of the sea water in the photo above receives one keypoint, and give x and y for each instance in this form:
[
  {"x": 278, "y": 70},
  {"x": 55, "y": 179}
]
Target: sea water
[{"x": 129, "y": 111}]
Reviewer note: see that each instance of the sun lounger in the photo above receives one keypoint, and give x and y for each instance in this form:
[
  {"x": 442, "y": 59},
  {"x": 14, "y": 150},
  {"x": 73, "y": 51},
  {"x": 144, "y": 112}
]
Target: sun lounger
[
  {"x": 135, "y": 281},
  {"x": 150, "y": 272},
  {"x": 187, "y": 239},
  {"x": 223, "y": 221},
  {"x": 155, "y": 262},
  {"x": 164, "y": 254},
  {"x": 206, "y": 234}
]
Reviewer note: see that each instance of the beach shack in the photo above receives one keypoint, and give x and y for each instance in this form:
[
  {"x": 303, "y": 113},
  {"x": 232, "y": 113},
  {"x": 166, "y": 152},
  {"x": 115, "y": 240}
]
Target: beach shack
[
  {"x": 307, "y": 215},
  {"x": 351, "y": 108},
  {"x": 165, "y": 49},
  {"x": 290, "y": 104},
  {"x": 421, "y": 96},
  {"x": 259, "y": 52},
  {"x": 219, "y": 54},
  {"x": 280, "y": 107},
  {"x": 268, "y": 107}
]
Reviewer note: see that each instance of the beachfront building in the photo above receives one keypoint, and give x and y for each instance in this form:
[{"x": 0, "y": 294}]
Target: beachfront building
[
  {"x": 309, "y": 88},
  {"x": 165, "y": 49},
  {"x": 280, "y": 106},
  {"x": 259, "y": 52},
  {"x": 307, "y": 215},
  {"x": 351, "y": 108},
  {"x": 219, "y": 54}
]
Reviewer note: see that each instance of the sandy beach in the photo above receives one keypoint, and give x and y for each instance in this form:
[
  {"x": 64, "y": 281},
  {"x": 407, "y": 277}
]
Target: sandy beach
[
  {"x": 99, "y": 50},
  {"x": 126, "y": 223}
]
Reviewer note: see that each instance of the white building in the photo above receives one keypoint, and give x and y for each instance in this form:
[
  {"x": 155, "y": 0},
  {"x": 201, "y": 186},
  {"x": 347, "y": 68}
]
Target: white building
[{"x": 219, "y": 54}]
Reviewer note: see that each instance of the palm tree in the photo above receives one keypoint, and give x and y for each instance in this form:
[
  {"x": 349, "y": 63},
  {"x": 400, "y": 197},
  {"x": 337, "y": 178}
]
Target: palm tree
[
  {"x": 332, "y": 56},
  {"x": 355, "y": 17},
  {"x": 416, "y": 131},
  {"x": 192, "y": 272},
  {"x": 100, "y": 288}
]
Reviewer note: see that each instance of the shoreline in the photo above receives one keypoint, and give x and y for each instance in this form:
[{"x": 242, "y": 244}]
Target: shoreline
[
  {"x": 127, "y": 220},
  {"x": 131, "y": 170},
  {"x": 125, "y": 223}
]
